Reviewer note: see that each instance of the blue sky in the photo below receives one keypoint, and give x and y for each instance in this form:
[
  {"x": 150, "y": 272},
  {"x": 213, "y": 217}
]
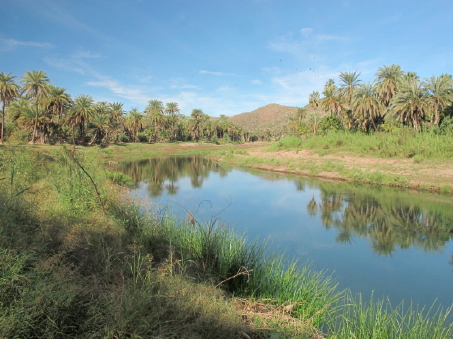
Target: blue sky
[{"x": 224, "y": 57}]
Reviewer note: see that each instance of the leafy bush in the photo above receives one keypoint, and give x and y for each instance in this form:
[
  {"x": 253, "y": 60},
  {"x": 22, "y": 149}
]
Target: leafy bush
[{"x": 330, "y": 123}]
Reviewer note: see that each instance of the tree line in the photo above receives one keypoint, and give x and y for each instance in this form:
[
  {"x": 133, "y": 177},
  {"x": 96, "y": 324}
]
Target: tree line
[
  {"x": 395, "y": 98},
  {"x": 37, "y": 111}
]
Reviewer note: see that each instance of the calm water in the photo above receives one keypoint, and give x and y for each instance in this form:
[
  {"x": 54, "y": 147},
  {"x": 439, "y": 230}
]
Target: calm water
[{"x": 391, "y": 242}]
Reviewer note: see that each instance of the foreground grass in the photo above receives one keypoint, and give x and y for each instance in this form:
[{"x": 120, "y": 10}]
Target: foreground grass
[{"x": 79, "y": 261}]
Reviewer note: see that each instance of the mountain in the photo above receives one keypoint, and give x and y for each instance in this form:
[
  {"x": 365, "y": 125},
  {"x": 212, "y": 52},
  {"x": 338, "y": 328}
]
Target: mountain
[{"x": 266, "y": 117}]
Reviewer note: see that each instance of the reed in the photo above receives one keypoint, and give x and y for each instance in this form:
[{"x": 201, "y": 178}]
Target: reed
[{"x": 379, "y": 319}]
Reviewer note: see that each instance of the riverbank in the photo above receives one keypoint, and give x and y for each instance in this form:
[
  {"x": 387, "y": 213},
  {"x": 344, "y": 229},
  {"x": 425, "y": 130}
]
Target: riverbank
[{"x": 428, "y": 175}]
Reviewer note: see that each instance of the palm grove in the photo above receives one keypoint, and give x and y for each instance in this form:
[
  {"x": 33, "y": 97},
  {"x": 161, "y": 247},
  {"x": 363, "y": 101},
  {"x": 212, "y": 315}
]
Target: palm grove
[
  {"x": 37, "y": 111},
  {"x": 395, "y": 99}
]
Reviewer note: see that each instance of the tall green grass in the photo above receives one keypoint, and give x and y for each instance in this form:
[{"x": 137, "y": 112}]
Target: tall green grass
[
  {"x": 405, "y": 143},
  {"x": 379, "y": 319}
]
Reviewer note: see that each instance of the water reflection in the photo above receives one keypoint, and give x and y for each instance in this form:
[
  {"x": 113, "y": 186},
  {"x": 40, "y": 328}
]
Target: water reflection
[
  {"x": 391, "y": 220},
  {"x": 162, "y": 174}
]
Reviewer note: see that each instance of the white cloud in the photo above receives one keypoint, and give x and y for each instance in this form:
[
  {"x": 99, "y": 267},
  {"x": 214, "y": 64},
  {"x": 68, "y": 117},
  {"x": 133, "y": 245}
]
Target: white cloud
[
  {"x": 181, "y": 83},
  {"x": 256, "y": 82},
  {"x": 214, "y": 73},
  {"x": 308, "y": 42},
  {"x": 11, "y": 44},
  {"x": 81, "y": 54},
  {"x": 306, "y": 31}
]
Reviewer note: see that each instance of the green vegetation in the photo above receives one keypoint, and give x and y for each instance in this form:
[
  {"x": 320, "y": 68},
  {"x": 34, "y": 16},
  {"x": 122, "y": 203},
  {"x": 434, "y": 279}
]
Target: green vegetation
[
  {"x": 405, "y": 143},
  {"x": 78, "y": 260},
  {"x": 41, "y": 112},
  {"x": 395, "y": 96}
]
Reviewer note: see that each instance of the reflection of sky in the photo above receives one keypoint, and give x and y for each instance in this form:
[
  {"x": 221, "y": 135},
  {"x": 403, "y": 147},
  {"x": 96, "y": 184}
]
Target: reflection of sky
[{"x": 274, "y": 209}]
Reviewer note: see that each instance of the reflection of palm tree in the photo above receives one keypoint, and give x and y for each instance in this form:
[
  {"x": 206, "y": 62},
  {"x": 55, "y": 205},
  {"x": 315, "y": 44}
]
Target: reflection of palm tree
[
  {"x": 164, "y": 173},
  {"x": 312, "y": 207},
  {"x": 387, "y": 225}
]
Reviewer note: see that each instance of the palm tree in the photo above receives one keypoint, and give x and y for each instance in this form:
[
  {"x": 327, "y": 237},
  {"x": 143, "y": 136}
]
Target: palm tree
[
  {"x": 155, "y": 110},
  {"x": 58, "y": 102},
  {"x": 22, "y": 114},
  {"x": 117, "y": 111},
  {"x": 331, "y": 102},
  {"x": 36, "y": 87},
  {"x": 135, "y": 122},
  {"x": 314, "y": 99},
  {"x": 410, "y": 104},
  {"x": 388, "y": 81},
  {"x": 80, "y": 114},
  {"x": 366, "y": 106},
  {"x": 8, "y": 91},
  {"x": 348, "y": 83},
  {"x": 18, "y": 108},
  {"x": 99, "y": 126},
  {"x": 172, "y": 108},
  {"x": 439, "y": 94},
  {"x": 198, "y": 120}
]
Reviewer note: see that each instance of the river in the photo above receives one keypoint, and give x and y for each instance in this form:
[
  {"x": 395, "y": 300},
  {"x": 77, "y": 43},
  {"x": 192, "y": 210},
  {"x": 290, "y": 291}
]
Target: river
[{"x": 380, "y": 241}]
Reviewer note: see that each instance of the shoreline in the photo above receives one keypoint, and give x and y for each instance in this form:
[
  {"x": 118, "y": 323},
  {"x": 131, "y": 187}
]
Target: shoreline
[{"x": 430, "y": 175}]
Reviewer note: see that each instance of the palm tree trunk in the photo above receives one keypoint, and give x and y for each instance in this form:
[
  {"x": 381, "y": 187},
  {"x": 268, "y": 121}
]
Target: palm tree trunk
[
  {"x": 36, "y": 124},
  {"x": 3, "y": 125}
]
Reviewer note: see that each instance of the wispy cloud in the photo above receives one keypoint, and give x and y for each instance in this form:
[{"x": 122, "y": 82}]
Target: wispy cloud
[
  {"x": 77, "y": 62},
  {"x": 137, "y": 94},
  {"x": 256, "y": 82},
  {"x": 214, "y": 73},
  {"x": 12, "y": 44},
  {"x": 306, "y": 41},
  {"x": 181, "y": 83}
]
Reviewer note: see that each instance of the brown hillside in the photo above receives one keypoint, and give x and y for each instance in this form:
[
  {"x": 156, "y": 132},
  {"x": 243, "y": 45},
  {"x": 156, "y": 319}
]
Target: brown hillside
[{"x": 266, "y": 117}]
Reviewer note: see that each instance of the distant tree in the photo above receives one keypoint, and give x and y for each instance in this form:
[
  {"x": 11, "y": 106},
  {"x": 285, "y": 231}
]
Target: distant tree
[
  {"x": 366, "y": 106},
  {"x": 410, "y": 104},
  {"x": 80, "y": 113},
  {"x": 198, "y": 121},
  {"x": 348, "y": 83},
  {"x": 440, "y": 94},
  {"x": 9, "y": 90},
  {"x": 135, "y": 122},
  {"x": 57, "y": 104},
  {"x": 172, "y": 109},
  {"x": 314, "y": 99},
  {"x": 155, "y": 113},
  {"x": 331, "y": 101},
  {"x": 388, "y": 81},
  {"x": 35, "y": 87}
]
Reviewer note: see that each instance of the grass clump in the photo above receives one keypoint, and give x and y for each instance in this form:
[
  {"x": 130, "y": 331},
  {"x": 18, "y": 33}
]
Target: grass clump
[
  {"x": 378, "y": 319},
  {"x": 286, "y": 143}
]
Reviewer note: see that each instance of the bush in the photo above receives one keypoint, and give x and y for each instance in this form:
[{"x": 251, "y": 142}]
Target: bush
[{"x": 330, "y": 123}]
